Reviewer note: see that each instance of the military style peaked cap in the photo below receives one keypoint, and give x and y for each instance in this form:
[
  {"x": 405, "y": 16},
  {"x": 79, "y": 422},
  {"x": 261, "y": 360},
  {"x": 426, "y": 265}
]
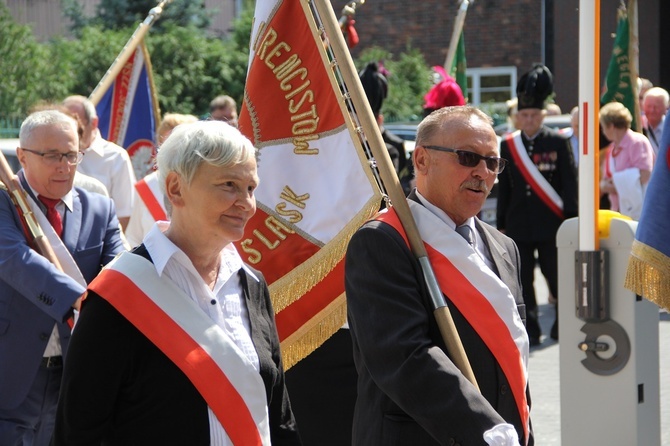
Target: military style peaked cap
[
  {"x": 534, "y": 87},
  {"x": 375, "y": 86}
]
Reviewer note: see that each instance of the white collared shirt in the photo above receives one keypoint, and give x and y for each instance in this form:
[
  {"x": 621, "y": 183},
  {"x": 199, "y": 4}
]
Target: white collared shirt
[
  {"x": 66, "y": 202},
  {"x": 504, "y": 433},
  {"x": 111, "y": 165},
  {"x": 224, "y": 304},
  {"x": 479, "y": 245},
  {"x": 53, "y": 347}
]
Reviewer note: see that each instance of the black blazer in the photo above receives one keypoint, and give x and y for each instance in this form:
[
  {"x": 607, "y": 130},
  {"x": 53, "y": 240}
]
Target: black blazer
[
  {"x": 520, "y": 212},
  {"x": 409, "y": 391},
  {"x": 120, "y": 389}
]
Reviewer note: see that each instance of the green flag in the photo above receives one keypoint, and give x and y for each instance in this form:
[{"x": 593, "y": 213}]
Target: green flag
[
  {"x": 621, "y": 86},
  {"x": 458, "y": 67}
]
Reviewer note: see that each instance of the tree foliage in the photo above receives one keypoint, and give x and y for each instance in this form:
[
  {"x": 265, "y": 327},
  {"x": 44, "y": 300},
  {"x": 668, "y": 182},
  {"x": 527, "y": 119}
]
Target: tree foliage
[
  {"x": 408, "y": 81},
  {"x": 121, "y": 14},
  {"x": 189, "y": 66},
  {"x": 30, "y": 71},
  {"x": 190, "y": 70}
]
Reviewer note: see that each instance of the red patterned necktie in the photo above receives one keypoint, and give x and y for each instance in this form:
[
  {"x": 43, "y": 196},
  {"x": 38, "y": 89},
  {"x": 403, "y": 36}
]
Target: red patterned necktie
[{"x": 52, "y": 214}]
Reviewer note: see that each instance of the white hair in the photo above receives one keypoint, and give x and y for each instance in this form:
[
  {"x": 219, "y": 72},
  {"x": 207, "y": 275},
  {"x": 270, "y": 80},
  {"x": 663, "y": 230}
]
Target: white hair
[
  {"x": 658, "y": 92},
  {"x": 191, "y": 144},
  {"x": 44, "y": 118}
]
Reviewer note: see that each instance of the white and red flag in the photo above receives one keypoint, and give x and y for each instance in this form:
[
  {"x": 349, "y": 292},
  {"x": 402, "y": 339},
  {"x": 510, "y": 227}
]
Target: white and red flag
[{"x": 316, "y": 185}]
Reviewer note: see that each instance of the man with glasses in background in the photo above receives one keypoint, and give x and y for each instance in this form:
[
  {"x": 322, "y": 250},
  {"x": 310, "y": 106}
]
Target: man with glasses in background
[
  {"x": 37, "y": 299},
  {"x": 537, "y": 192},
  {"x": 409, "y": 390}
]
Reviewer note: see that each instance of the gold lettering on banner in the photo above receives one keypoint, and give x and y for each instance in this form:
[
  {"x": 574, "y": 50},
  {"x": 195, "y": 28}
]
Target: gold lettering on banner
[
  {"x": 302, "y": 144},
  {"x": 276, "y": 227},
  {"x": 293, "y": 78},
  {"x": 270, "y": 245},
  {"x": 293, "y": 198},
  {"x": 291, "y": 215},
  {"x": 276, "y": 52},
  {"x": 254, "y": 255},
  {"x": 278, "y": 230}
]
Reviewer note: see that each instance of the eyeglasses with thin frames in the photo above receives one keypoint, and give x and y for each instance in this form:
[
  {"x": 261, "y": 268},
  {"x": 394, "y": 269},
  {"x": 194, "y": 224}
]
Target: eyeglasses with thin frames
[
  {"x": 53, "y": 158},
  {"x": 471, "y": 159}
]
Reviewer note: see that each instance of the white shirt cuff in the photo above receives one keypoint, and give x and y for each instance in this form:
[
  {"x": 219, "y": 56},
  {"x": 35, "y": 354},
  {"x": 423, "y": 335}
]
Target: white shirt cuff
[{"x": 502, "y": 435}]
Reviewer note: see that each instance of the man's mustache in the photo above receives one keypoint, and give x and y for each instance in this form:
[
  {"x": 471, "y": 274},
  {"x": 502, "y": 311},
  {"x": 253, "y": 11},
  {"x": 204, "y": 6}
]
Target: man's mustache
[{"x": 476, "y": 185}]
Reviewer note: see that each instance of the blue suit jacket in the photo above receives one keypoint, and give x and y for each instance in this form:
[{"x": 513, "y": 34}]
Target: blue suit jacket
[{"x": 34, "y": 294}]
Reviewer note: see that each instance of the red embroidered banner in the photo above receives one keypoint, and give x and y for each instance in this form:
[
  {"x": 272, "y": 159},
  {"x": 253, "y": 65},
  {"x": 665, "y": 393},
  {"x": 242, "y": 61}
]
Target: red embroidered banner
[{"x": 315, "y": 189}]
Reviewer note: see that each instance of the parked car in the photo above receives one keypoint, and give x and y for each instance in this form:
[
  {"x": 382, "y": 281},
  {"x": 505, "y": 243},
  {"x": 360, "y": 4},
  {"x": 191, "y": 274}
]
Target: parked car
[
  {"x": 406, "y": 131},
  {"x": 8, "y": 148}
]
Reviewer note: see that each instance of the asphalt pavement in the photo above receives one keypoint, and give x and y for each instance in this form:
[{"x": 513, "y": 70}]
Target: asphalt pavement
[{"x": 544, "y": 376}]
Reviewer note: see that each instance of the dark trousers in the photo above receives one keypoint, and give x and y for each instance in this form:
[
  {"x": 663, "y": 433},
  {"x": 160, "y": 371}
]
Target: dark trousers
[
  {"x": 32, "y": 422},
  {"x": 548, "y": 260},
  {"x": 322, "y": 388}
]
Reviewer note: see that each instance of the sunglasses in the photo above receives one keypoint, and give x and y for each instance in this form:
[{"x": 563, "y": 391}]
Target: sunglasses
[{"x": 471, "y": 159}]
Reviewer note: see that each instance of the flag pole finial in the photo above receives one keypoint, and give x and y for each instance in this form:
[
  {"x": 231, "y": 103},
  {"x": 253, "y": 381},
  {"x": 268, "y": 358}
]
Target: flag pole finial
[{"x": 141, "y": 30}]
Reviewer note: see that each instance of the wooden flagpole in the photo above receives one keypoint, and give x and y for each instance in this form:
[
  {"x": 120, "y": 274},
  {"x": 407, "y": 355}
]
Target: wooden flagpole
[
  {"x": 392, "y": 185},
  {"x": 456, "y": 35},
  {"x": 634, "y": 58},
  {"x": 19, "y": 198},
  {"x": 126, "y": 52}
]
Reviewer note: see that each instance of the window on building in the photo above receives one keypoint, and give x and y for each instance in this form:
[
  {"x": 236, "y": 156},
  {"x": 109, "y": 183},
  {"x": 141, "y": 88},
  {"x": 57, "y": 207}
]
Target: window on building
[
  {"x": 489, "y": 88},
  {"x": 491, "y": 85}
]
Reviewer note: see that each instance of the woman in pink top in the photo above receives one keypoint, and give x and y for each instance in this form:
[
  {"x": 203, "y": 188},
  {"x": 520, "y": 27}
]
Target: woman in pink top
[{"x": 628, "y": 162}]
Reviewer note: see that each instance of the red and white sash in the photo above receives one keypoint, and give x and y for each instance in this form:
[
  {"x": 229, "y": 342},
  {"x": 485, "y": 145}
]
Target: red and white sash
[
  {"x": 483, "y": 299},
  {"x": 67, "y": 263},
  {"x": 150, "y": 194},
  {"x": 64, "y": 257},
  {"x": 532, "y": 175},
  {"x": 170, "y": 319}
]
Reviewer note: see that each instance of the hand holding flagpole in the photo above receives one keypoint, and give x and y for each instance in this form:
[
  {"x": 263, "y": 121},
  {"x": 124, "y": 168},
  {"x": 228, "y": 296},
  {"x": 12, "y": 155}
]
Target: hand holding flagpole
[
  {"x": 18, "y": 196},
  {"x": 394, "y": 190}
]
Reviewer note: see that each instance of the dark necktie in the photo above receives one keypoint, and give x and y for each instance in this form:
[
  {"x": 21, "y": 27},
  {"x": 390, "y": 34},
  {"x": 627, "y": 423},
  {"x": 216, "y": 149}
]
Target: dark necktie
[
  {"x": 652, "y": 136},
  {"x": 52, "y": 214},
  {"x": 466, "y": 232}
]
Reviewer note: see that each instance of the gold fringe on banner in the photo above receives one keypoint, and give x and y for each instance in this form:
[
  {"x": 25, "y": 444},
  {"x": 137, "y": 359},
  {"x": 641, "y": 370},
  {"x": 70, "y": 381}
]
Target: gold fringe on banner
[
  {"x": 648, "y": 274},
  {"x": 310, "y": 336},
  {"x": 303, "y": 278}
]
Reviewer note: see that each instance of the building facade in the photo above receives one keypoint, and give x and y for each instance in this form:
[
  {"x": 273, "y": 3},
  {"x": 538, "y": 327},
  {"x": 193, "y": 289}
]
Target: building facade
[
  {"x": 504, "y": 38},
  {"x": 47, "y": 20}
]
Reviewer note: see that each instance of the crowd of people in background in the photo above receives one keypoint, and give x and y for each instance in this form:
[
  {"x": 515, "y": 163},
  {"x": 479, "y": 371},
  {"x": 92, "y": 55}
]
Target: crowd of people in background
[{"x": 366, "y": 370}]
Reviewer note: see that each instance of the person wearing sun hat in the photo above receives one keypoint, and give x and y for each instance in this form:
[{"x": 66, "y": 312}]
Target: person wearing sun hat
[{"x": 538, "y": 190}]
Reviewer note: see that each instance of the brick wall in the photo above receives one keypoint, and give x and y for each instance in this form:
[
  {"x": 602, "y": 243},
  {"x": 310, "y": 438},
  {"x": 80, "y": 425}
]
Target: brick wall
[
  {"x": 497, "y": 32},
  {"x": 505, "y": 33}
]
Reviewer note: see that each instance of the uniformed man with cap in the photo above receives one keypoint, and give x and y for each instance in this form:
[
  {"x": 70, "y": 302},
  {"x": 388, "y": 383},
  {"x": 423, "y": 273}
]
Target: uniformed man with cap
[{"x": 538, "y": 190}]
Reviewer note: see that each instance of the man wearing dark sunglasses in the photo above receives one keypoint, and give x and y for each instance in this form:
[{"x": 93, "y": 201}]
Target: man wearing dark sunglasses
[
  {"x": 409, "y": 390},
  {"x": 537, "y": 191}
]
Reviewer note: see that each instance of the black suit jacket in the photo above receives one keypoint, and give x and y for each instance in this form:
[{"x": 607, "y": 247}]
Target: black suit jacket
[
  {"x": 120, "y": 389},
  {"x": 520, "y": 212},
  {"x": 409, "y": 391}
]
